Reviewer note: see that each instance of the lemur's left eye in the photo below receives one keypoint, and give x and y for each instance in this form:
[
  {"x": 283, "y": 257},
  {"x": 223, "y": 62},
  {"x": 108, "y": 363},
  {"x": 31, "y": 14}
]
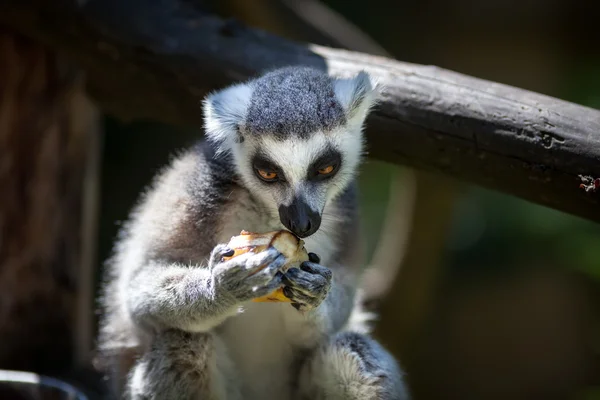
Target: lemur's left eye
[
  {"x": 268, "y": 176},
  {"x": 327, "y": 170}
]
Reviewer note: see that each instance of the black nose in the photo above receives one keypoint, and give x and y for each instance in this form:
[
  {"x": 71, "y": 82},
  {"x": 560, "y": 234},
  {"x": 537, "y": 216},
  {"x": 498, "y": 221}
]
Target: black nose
[{"x": 299, "y": 218}]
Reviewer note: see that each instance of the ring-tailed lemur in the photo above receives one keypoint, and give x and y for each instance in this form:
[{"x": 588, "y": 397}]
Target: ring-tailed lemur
[{"x": 282, "y": 152}]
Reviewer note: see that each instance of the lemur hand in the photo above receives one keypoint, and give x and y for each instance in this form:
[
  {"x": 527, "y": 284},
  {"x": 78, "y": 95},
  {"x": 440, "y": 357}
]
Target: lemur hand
[
  {"x": 248, "y": 275},
  {"x": 308, "y": 285}
]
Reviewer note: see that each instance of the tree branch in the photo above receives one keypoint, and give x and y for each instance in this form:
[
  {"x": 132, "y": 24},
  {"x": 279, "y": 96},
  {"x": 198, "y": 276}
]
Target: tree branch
[{"x": 157, "y": 59}]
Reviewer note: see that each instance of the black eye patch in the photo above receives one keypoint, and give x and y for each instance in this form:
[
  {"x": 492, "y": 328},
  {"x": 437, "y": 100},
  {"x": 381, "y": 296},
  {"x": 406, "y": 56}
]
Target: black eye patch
[
  {"x": 329, "y": 158},
  {"x": 261, "y": 162}
]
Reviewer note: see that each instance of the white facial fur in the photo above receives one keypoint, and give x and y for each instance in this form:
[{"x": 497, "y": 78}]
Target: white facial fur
[
  {"x": 294, "y": 156},
  {"x": 224, "y": 117}
]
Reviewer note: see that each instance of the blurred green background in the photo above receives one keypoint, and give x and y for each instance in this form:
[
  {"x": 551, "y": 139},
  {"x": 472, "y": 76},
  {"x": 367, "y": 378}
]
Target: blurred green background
[{"x": 514, "y": 302}]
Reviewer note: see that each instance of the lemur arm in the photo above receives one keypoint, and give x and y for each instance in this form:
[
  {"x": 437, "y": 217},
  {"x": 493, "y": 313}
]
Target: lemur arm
[
  {"x": 196, "y": 299},
  {"x": 344, "y": 364},
  {"x": 164, "y": 295},
  {"x": 333, "y": 313},
  {"x": 326, "y": 300}
]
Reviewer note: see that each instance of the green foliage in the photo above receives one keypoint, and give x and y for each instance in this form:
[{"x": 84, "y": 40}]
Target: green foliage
[
  {"x": 374, "y": 188},
  {"x": 499, "y": 229},
  {"x": 589, "y": 394}
]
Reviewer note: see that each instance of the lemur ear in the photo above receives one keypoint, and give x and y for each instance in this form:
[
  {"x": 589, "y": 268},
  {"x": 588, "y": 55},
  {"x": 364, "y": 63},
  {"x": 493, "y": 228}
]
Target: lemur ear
[
  {"x": 357, "y": 95},
  {"x": 224, "y": 113}
]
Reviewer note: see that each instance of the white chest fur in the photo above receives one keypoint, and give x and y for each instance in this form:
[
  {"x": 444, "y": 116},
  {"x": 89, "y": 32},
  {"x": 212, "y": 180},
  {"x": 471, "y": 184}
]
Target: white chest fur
[{"x": 258, "y": 345}]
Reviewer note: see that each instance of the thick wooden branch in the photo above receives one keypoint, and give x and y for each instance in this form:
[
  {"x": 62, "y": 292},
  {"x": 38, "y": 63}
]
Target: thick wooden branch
[{"x": 157, "y": 59}]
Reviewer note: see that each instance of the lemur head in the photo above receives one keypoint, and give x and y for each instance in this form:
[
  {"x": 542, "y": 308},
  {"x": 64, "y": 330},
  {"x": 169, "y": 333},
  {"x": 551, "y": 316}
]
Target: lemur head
[{"x": 296, "y": 138}]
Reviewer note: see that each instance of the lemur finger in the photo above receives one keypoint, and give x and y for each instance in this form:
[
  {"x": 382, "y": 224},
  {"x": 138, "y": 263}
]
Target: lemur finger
[
  {"x": 220, "y": 251},
  {"x": 301, "y": 301},
  {"x": 298, "y": 297},
  {"x": 312, "y": 257},
  {"x": 315, "y": 268},
  {"x": 275, "y": 283},
  {"x": 265, "y": 275},
  {"x": 305, "y": 282},
  {"x": 232, "y": 270},
  {"x": 258, "y": 261},
  {"x": 236, "y": 270}
]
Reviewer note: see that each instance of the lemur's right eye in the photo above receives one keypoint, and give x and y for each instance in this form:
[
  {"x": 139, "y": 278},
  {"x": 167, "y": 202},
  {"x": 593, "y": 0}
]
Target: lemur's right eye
[{"x": 268, "y": 176}]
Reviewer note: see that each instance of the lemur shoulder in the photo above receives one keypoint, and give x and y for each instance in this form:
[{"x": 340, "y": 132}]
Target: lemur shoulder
[{"x": 282, "y": 152}]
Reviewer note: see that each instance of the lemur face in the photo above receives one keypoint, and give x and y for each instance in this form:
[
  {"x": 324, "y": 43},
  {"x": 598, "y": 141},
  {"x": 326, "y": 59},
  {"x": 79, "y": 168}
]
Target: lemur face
[
  {"x": 296, "y": 139},
  {"x": 299, "y": 176}
]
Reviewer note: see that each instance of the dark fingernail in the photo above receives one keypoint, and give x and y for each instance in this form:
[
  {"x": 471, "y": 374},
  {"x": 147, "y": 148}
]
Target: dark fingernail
[
  {"x": 307, "y": 268},
  {"x": 278, "y": 277},
  {"x": 285, "y": 280},
  {"x": 291, "y": 273},
  {"x": 287, "y": 291},
  {"x": 312, "y": 257}
]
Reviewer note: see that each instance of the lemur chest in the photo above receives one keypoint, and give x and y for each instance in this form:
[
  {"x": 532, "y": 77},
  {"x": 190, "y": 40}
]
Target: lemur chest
[
  {"x": 264, "y": 341},
  {"x": 262, "y": 344}
]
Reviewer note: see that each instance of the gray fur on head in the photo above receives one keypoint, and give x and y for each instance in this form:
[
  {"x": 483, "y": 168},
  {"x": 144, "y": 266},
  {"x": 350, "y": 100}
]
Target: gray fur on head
[{"x": 291, "y": 101}]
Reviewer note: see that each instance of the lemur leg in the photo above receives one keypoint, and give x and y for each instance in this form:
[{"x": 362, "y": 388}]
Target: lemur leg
[
  {"x": 183, "y": 366},
  {"x": 351, "y": 366}
]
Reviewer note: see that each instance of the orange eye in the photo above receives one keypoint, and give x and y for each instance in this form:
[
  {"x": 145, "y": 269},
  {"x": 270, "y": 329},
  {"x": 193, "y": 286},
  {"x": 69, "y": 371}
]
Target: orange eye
[
  {"x": 327, "y": 170},
  {"x": 267, "y": 175}
]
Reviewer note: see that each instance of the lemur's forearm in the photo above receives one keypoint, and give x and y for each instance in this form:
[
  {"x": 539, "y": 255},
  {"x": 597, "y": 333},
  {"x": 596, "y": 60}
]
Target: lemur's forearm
[
  {"x": 332, "y": 314},
  {"x": 335, "y": 310},
  {"x": 162, "y": 295},
  {"x": 198, "y": 298}
]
